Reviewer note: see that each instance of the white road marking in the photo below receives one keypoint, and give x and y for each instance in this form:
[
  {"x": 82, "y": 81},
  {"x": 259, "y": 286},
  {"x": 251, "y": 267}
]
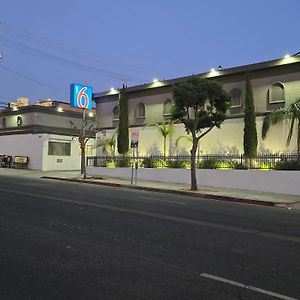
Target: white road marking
[
  {"x": 158, "y": 216},
  {"x": 248, "y": 287},
  {"x": 278, "y": 236},
  {"x": 161, "y": 200}
]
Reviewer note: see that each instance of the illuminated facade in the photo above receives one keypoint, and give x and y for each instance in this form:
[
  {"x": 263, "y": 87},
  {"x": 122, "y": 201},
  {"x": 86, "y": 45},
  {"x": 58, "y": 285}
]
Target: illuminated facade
[
  {"x": 275, "y": 84},
  {"x": 46, "y": 132}
]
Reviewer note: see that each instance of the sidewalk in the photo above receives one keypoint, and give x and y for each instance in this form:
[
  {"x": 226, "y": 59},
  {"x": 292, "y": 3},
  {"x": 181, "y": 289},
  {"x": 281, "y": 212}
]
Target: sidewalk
[{"x": 208, "y": 192}]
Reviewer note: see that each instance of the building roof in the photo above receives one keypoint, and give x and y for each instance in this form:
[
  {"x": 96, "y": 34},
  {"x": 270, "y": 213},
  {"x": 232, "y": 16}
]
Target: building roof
[
  {"x": 218, "y": 73},
  {"x": 66, "y": 109},
  {"x": 53, "y": 127}
]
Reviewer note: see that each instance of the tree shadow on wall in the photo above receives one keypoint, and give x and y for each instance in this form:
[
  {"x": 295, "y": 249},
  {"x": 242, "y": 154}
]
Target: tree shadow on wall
[
  {"x": 181, "y": 151},
  {"x": 153, "y": 150},
  {"x": 227, "y": 150}
]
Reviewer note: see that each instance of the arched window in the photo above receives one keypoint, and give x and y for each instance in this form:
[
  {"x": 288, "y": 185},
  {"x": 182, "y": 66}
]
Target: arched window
[
  {"x": 116, "y": 113},
  {"x": 140, "y": 110},
  {"x": 167, "y": 107},
  {"x": 236, "y": 97},
  {"x": 19, "y": 121},
  {"x": 276, "y": 93}
]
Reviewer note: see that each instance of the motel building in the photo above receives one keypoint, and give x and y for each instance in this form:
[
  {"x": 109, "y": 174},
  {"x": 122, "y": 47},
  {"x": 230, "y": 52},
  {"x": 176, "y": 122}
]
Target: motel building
[
  {"x": 45, "y": 132},
  {"x": 275, "y": 84}
]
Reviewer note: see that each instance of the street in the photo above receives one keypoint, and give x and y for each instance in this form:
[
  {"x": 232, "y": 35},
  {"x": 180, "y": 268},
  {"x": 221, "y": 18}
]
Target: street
[{"x": 62, "y": 240}]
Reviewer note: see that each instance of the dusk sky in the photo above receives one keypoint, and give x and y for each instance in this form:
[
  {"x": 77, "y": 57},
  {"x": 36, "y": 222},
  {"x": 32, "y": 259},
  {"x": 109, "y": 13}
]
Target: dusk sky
[{"x": 47, "y": 45}]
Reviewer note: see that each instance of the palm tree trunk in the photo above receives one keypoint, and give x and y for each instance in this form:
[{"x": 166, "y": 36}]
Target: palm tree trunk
[
  {"x": 298, "y": 145},
  {"x": 165, "y": 146}
]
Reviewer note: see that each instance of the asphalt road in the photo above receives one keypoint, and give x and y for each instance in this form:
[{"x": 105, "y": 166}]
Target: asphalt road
[{"x": 64, "y": 240}]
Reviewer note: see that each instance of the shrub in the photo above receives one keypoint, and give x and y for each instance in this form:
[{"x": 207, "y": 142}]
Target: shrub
[
  {"x": 149, "y": 162},
  {"x": 286, "y": 165},
  {"x": 123, "y": 163},
  {"x": 208, "y": 164},
  {"x": 178, "y": 164},
  {"x": 240, "y": 166},
  {"x": 109, "y": 163},
  {"x": 225, "y": 164},
  {"x": 265, "y": 165}
]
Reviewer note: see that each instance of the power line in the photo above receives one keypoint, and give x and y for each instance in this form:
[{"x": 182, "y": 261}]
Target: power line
[
  {"x": 45, "y": 42},
  {"x": 32, "y": 79},
  {"x": 60, "y": 60}
]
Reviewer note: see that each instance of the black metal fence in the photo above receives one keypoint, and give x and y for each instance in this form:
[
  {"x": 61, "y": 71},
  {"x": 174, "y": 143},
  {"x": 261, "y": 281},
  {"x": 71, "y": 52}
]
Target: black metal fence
[{"x": 217, "y": 161}]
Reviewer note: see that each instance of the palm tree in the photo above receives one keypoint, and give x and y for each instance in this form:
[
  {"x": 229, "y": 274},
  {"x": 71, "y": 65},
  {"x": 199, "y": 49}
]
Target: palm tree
[
  {"x": 108, "y": 145},
  {"x": 290, "y": 114},
  {"x": 166, "y": 128},
  {"x": 189, "y": 139}
]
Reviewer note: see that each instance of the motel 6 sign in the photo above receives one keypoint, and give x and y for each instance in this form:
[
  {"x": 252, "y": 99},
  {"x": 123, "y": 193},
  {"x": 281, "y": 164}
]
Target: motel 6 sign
[{"x": 81, "y": 96}]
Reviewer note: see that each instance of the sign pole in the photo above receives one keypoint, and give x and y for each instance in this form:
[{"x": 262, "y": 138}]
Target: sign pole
[
  {"x": 82, "y": 143},
  {"x": 81, "y": 96},
  {"x": 132, "y": 166},
  {"x": 134, "y": 146},
  {"x": 136, "y": 164}
]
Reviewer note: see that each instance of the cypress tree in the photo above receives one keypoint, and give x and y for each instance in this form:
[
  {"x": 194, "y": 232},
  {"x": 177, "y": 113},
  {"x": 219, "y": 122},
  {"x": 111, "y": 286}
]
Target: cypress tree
[
  {"x": 123, "y": 131},
  {"x": 250, "y": 133}
]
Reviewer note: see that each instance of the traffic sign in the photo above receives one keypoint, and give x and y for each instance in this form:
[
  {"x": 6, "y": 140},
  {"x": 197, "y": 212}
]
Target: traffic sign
[{"x": 134, "y": 139}]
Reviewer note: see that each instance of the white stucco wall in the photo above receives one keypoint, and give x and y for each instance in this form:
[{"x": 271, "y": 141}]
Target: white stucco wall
[
  {"x": 278, "y": 182},
  {"x": 72, "y": 162},
  {"x": 53, "y": 162},
  {"x": 228, "y": 139},
  {"x": 30, "y": 145},
  {"x": 35, "y": 146}
]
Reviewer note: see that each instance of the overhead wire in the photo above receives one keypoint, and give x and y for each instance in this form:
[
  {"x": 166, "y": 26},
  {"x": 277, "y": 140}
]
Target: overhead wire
[
  {"x": 60, "y": 60},
  {"x": 32, "y": 79},
  {"x": 61, "y": 46},
  {"x": 68, "y": 50}
]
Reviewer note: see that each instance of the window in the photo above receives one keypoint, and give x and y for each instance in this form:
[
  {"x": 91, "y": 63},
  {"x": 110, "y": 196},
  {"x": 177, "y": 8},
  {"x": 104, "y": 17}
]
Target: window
[
  {"x": 167, "y": 107},
  {"x": 236, "y": 99},
  {"x": 59, "y": 148},
  {"x": 116, "y": 113},
  {"x": 89, "y": 150},
  {"x": 276, "y": 93},
  {"x": 3, "y": 122},
  {"x": 140, "y": 110},
  {"x": 19, "y": 121}
]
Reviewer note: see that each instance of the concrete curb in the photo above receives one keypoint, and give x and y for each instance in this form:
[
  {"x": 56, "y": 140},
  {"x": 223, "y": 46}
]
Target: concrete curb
[{"x": 186, "y": 193}]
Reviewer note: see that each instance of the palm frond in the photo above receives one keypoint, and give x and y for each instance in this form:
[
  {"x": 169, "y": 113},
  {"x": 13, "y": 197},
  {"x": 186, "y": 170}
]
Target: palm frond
[
  {"x": 107, "y": 144},
  {"x": 272, "y": 119},
  {"x": 265, "y": 126},
  {"x": 278, "y": 116},
  {"x": 165, "y": 128},
  {"x": 289, "y": 137},
  {"x": 187, "y": 137}
]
